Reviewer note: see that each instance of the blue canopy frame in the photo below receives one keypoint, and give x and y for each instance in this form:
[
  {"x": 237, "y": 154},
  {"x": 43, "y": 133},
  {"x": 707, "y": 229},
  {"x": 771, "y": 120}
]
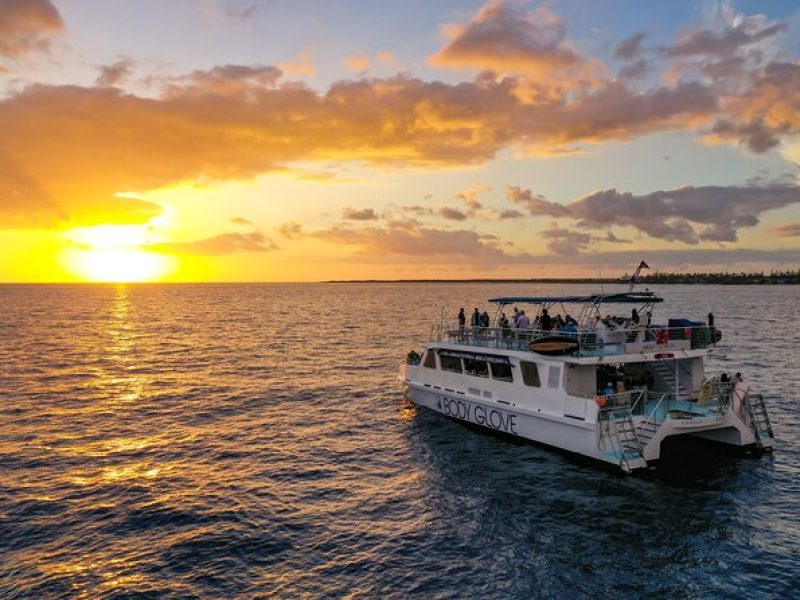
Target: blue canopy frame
[{"x": 623, "y": 298}]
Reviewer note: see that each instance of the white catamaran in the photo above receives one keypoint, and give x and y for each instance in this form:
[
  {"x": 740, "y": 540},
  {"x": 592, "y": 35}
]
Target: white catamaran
[{"x": 611, "y": 388}]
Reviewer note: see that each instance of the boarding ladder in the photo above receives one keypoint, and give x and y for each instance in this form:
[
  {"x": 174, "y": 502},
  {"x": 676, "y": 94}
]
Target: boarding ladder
[
  {"x": 757, "y": 418},
  {"x": 622, "y": 429}
]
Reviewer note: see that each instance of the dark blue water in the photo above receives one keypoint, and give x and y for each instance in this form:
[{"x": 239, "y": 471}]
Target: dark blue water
[{"x": 251, "y": 440}]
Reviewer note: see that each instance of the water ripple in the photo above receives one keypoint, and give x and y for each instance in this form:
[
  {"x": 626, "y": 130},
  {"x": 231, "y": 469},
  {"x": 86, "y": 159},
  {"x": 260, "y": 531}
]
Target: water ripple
[{"x": 212, "y": 441}]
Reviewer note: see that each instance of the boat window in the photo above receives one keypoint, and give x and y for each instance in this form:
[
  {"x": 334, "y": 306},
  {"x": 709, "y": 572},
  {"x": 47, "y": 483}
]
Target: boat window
[
  {"x": 554, "y": 377},
  {"x": 530, "y": 373},
  {"x": 430, "y": 359},
  {"x": 450, "y": 363},
  {"x": 477, "y": 367},
  {"x": 502, "y": 372}
]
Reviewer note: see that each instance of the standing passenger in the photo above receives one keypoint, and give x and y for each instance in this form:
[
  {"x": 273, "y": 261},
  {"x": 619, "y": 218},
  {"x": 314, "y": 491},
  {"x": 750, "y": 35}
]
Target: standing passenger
[{"x": 544, "y": 321}]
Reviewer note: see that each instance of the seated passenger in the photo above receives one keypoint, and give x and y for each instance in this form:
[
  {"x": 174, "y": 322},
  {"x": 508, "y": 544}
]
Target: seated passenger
[{"x": 569, "y": 328}]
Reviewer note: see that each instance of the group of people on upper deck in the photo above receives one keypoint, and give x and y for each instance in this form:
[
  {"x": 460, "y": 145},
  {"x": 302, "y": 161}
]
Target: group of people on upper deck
[{"x": 520, "y": 321}]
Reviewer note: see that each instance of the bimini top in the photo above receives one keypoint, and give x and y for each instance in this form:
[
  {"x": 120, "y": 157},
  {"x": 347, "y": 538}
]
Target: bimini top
[{"x": 627, "y": 297}]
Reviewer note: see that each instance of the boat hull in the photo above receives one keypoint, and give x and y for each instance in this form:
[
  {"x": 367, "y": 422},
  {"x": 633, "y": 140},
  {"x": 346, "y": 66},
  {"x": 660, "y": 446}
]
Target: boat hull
[{"x": 565, "y": 434}]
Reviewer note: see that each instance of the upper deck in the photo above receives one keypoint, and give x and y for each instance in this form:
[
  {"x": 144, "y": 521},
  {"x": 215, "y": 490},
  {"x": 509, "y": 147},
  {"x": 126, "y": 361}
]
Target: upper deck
[
  {"x": 625, "y": 340},
  {"x": 590, "y": 335},
  {"x": 637, "y": 340}
]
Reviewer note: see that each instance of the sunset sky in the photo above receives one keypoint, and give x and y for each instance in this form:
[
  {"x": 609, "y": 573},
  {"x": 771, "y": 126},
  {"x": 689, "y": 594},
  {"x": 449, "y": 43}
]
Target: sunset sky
[{"x": 226, "y": 140}]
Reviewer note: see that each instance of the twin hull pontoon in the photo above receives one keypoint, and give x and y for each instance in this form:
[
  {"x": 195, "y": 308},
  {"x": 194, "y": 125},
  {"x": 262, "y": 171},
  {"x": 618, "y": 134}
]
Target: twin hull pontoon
[{"x": 613, "y": 395}]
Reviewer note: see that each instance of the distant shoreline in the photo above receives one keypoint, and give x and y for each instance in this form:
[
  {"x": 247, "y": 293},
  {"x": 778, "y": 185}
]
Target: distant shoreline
[{"x": 676, "y": 279}]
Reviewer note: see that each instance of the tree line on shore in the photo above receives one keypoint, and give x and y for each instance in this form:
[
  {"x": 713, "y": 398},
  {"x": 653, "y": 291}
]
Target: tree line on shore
[
  {"x": 724, "y": 277},
  {"x": 750, "y": 278}
]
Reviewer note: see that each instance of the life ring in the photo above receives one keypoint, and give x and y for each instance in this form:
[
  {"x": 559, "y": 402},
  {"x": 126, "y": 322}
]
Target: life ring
[
  {"x": 600, "y": 401},
  {"x": 662, "y": 336}
]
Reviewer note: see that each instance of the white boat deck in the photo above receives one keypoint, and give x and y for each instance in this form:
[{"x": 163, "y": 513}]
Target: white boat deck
[{"x": 637, "y": 340}]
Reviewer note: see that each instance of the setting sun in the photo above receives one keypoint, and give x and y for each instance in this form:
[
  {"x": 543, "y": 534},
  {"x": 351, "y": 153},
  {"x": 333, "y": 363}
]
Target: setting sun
[
  {"x": 112, "y": 253},
  {"x": 119, "y": 265}
]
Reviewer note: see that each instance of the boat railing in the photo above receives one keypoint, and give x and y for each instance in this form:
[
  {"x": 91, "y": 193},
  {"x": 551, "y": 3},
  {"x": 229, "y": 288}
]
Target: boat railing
[
  {"x": 660, "y": 405},
  {"x": 590, "y": 341},
  {"x": 716, "y": 392},
  {"x": 630, "y": 399}
]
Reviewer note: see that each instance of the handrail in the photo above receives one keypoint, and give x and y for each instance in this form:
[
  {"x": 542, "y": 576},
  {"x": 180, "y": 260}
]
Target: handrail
[
  {"x": 750, "y": 421},
  {"x": 650, "y": 419},
  {"x": 620, "y": 400},
  {"x": 589, "y": 339}
]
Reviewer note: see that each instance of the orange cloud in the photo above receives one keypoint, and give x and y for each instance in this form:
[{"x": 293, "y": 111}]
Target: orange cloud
[
  {"x": 115, "y": 74},
  {"x": 69, "y": 150},
  {"x": 762, "y": 113},
  {"x": 301, "y": 65},
  {"x": 28, "y": 26},
  {"x": 502, "y": 38},
  {"x": 687, "y": 214},
  {"x": 224, "y": 243},
  {"x": 364, "y": 214},
  {"x": 358, "y": 63},
  {"x": 404, "y": 243},
  {"x": 786, "y": 230},
  {"x": 387, "y": 59}
]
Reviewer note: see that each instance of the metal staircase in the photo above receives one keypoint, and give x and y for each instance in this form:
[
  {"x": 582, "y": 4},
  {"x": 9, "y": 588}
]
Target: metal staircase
[
  {"x": 758, "y": 418},
  {"x": 622, "y": 429},
  {"x": 646, "y": 430},
  {"x": 665, "y": 371}
]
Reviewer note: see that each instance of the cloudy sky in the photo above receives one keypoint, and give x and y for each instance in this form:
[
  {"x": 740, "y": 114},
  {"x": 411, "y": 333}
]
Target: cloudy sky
[{"x": 296, "y": 140}]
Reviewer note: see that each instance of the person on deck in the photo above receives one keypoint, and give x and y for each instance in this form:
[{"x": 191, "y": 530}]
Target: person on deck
[
  {"x": 737, "y": 378},
  {"x": 523, "y": 322},
  {"x": 462, "y": 320},
  {"x": 505, "y": 325},
  {"x": 634, "y": 317},
  {"x": 545, "y": 323},
  {"x": 475, "y": 323},
  {"x": 485, "y": 320}
]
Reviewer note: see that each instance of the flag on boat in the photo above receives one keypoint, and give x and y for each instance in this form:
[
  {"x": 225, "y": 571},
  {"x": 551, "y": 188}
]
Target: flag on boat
[{"x": 644, "y": 265}]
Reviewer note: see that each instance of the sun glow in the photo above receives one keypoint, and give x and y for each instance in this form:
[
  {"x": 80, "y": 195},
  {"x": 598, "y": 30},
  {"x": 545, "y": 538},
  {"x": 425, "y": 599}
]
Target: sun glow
[{"x": 113, "y": 253}]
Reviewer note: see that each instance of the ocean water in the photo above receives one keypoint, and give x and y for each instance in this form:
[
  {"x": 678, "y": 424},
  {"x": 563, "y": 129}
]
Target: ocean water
[{"x": 216, "y": 441}]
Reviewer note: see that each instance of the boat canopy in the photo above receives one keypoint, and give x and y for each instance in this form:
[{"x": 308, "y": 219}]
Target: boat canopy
[{"x": 627, "y": 297}]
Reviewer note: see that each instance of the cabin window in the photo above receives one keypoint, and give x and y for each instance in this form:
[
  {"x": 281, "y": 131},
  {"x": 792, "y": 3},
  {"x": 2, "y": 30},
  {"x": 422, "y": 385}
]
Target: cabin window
[
  {"x": 530, "y": 373},
  {"x": 554, "y": 377},
  {"x": 430, "y": 360},
  {"x": 477, "y": 367},
  {"x": 450, "y": 363},
  {"x": 502, "y": 371},
  {"x": 581, "y": 380}
]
